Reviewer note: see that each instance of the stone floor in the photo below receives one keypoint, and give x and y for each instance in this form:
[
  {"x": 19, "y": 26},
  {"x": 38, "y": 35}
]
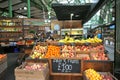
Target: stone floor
[{"x": 12, "y": 63}]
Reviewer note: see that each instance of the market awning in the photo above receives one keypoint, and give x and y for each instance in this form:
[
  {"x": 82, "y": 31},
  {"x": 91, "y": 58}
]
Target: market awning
[{"x": 74, "y": 12}]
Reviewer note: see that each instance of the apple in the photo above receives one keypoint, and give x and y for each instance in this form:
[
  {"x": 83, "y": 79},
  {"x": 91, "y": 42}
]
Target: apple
[{"x": 99, "y": 56}]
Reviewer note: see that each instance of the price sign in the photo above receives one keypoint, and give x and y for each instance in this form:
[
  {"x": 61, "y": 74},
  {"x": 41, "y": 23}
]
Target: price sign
[{"x": 66, "y": 66}]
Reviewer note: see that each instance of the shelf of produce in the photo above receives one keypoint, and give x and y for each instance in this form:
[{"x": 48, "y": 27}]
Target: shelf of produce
[
  {"x": 6, "y": 40},
  {"x": 11, "y": 26}
]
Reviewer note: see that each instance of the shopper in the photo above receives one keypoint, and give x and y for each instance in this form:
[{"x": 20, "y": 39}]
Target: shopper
[
  {"x": 99, "y": 35},
  {"x": 41, "y": 37},
  {"x": 90, "y": 34},
  {"x": 49, "y": 36}
]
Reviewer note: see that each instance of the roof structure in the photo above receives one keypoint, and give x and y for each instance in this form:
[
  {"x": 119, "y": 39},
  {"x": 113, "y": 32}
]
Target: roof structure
[{"x": 54, "y": 9}]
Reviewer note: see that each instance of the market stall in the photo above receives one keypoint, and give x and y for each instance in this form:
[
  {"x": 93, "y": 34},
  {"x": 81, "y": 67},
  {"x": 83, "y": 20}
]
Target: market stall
[{"x": 70, "y": 60}]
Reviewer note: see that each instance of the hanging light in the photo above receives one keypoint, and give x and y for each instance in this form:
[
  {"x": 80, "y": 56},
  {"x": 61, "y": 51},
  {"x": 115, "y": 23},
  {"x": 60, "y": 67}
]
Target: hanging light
[
  {"x": 25, "y": 8},
  {"x": 71, "y": 15}
]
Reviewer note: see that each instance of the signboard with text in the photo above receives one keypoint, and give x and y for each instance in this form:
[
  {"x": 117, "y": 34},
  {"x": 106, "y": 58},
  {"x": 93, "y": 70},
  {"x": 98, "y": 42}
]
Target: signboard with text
[{"x": 66, "y": 66}]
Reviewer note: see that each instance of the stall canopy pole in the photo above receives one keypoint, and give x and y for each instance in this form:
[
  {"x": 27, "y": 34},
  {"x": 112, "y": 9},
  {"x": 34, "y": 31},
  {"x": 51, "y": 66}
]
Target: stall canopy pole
[
  {"x": 10, "y": 8},
  {"x": 28, "y": 9}
]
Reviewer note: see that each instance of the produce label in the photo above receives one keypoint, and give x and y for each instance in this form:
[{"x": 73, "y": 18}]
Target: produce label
[{"x": 66, "y": 66}]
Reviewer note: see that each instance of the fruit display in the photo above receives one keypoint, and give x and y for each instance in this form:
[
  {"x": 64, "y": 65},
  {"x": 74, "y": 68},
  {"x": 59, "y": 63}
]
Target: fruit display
[
  {"x": 38, "y": 52},
  {"x": 83, "y": 56},
  {"x": 89, "y": 48},
  {"x": 67, "y": 51},
  {"x": 67, "y": 40},
  {"x": 35, "y": 66},
  {"x": 32, "y": 71},
  {"x": 91, "y": 74},
  {"x": 106, "y": 77},
  {"x": 68, "y": 54},
  {"x": 99, "y": 56},
  {"x": 82, "y": 48},
  {"x": 67, "y": 48},
  {"x": 97, "y": 48},
  {"x": 53, "y": 51},
  {"x": 90, "y": 40}
]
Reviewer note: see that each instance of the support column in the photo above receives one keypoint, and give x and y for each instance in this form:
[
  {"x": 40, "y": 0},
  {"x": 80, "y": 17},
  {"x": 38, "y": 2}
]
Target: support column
[
  {"x": 10, "y": 8},
  {"x": 28, "y": 9}
]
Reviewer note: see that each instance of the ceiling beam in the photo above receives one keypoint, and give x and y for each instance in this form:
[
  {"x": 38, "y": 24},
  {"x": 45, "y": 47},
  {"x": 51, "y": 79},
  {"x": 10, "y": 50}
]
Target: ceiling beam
[
  {"x": 51, "y": 1},
  {"x": 3, "y": 1},
  {"x": 2, "y": 9},
  {"x": 33, "y": 3},
  {"x": 43, "y": 5},
  {"x": 15, "y": 4}
]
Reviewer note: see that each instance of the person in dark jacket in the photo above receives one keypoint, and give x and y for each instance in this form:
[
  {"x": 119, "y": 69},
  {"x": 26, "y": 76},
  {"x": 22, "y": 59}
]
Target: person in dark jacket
[{"x": 90, "y": 34}]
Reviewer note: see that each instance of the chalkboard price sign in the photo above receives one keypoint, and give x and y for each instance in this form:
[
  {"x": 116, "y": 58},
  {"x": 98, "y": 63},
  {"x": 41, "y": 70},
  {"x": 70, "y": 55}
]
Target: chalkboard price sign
[{"x": 66, "y": 66}]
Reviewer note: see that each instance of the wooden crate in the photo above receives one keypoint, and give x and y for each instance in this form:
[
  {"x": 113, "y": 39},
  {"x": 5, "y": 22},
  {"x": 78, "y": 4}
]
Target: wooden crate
[
  {"x": 23, "y": 74},
  {"x": 31, "y": 78},
  {"x": 65, "y": 77},
  {"x": 101, "y": 66},
  {"x": 101, "y": 73},
  {"x": 3, "y": 64},
  {"x": 3, "y": 59}
]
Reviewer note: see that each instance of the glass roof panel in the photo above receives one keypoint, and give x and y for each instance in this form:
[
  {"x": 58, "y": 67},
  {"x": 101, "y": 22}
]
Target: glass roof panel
[
  {"x": 65, "y": 1},
  {"x": 93, "y": 1},
  {"x": 76, "y": 1}
]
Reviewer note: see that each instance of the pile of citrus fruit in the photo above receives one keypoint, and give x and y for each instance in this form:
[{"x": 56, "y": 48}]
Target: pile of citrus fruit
[{"x": 91, "y": 74}]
